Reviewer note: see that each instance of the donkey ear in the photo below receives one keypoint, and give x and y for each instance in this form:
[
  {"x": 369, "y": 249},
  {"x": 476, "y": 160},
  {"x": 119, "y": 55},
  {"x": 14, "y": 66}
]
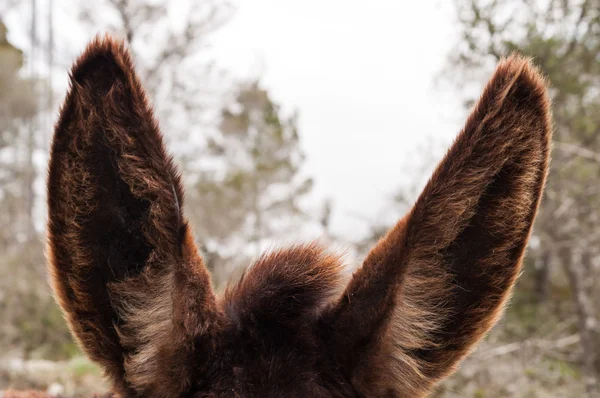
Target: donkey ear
[
  {"x": 438, "y": 280},
  {"x": 124, "y": 266}
]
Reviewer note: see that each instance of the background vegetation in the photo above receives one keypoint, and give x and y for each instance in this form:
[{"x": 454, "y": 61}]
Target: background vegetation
[{"x": 242, "y": 158}]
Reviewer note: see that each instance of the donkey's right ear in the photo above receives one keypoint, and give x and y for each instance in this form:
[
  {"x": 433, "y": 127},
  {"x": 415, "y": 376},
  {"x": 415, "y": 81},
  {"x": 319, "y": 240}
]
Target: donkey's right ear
[
  {"x": 438, "y": 281},
  {"x": 119, "y": 246}
]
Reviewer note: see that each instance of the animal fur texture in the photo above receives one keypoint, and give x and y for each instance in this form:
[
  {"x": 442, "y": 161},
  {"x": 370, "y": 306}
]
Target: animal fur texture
[
  {"x": 138, "y": 297},
  {"x": 39, "y": 394}
]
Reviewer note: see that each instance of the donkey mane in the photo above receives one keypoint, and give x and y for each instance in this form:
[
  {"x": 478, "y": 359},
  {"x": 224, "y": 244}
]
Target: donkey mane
[{"x": 138, "y": 298}]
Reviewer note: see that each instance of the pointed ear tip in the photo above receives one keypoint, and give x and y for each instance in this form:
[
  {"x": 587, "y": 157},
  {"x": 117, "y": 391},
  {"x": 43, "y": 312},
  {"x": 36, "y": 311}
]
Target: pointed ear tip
[
  {"x": 518, "y": 76},
  {"x": 523, "y": 68},
  {"x": 102, "y": 54}
]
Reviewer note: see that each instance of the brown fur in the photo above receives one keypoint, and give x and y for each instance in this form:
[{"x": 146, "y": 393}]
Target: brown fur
[
  {"x": 39, "y": 394},
  {"x": 138, "y": 298},
  {"x": 25, "y": 394},
  {"x": 116, "y": 229}
]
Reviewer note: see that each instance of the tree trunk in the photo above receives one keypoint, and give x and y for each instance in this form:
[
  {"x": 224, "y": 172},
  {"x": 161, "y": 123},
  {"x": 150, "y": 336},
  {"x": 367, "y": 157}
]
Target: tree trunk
[
  {"x": 542, "y": 275},
  {"x": 29, "y": 166},
  {"x": 585, "y": 319}
]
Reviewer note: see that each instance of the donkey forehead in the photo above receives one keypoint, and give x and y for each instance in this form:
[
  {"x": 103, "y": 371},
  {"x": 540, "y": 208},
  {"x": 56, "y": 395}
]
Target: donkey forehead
[
  {"x": 285, "y": 286},
  {"x": 270, "y": 346},
  {"x": 269, "y": 361}
]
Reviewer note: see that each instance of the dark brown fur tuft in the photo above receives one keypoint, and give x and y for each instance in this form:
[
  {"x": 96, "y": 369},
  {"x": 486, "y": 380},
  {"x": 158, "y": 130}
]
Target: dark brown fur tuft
[
  {"x": 285, "y": 286},
  {"x": 40, "y": 394}
]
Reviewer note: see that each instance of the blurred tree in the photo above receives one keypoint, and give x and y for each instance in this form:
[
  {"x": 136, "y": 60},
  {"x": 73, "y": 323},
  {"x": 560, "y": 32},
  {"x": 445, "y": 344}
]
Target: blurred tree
[
  {"x": 17, "y": 109},
  {"x": 256, "y": 181},
  {"x": 170, "y": 57},
  {"x": 26, "y": 305},
  {"x": 264, "y": 157},
  {"x": 564, "y": 39},
  {"x": 325, "y": 218}
]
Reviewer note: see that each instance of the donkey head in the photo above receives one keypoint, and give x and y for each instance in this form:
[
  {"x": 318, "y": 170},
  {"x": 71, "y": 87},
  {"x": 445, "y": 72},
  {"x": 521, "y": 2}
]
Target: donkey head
[{"x": 138, "y": 297}]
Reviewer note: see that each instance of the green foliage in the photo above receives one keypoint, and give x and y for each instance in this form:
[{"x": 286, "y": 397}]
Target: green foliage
[
  {"x": 565, "y": 369},
  {"x": 81, "y": 366}
]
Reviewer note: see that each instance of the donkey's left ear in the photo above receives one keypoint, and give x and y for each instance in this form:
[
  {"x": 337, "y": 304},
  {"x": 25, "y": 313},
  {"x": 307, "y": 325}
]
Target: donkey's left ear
[{"x": 119, "y": 246}]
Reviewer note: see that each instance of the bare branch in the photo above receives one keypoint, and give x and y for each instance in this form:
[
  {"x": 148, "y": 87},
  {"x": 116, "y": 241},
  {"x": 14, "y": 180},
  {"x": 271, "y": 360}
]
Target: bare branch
[
  {"x": 545, "y": 345},
  {"x": 577, "y": 150}
]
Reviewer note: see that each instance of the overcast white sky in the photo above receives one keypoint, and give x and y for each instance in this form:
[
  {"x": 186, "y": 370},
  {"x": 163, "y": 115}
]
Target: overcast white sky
[{"x": 361, "y": 75}]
